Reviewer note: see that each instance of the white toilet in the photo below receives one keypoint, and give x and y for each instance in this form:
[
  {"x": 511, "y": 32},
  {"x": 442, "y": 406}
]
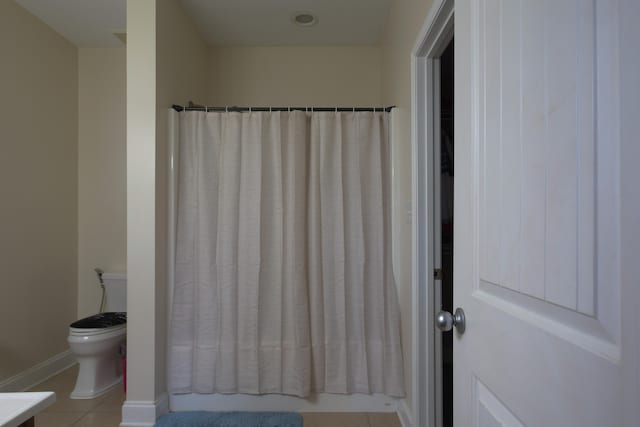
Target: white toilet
[{"x": 96, "y": 342}]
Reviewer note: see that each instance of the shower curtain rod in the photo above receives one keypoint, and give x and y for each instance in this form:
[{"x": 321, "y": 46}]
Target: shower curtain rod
[{"x": 240, "y": 109}]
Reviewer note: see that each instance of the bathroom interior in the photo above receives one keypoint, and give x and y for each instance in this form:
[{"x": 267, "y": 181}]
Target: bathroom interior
[{"x": 87, "y": 90}]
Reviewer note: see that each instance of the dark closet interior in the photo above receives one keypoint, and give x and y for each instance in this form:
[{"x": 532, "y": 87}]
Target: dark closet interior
[{"x": 446, "y": 226}]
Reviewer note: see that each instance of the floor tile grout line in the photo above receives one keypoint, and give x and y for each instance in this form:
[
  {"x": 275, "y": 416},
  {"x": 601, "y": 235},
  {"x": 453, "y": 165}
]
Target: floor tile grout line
[{"x": 79, "y": 419}]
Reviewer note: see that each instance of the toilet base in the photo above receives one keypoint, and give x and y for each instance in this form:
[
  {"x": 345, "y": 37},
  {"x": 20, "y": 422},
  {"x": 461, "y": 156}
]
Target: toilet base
[
  {"x": 83, "y": 394},
  {"x": 97, "y": 375},
  {"x": 100, "y": 364}
]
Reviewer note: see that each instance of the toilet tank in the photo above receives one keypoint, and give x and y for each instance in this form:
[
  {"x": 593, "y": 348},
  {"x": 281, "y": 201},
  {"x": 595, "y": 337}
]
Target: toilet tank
[{"x": 116, "y": 290}]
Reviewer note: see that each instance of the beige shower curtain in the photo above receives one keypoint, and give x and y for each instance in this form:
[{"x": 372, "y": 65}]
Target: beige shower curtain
[{"x": 283, "y": 279}]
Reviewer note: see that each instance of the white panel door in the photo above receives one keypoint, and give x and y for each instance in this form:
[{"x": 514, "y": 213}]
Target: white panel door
[{"x": 537, "y": 215}]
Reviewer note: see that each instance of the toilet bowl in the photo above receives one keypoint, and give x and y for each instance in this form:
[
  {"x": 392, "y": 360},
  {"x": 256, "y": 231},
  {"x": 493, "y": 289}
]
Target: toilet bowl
[{"x": 96, "y": 342}]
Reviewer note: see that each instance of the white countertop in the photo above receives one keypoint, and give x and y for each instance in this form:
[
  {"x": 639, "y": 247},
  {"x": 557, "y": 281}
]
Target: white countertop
[{"x": 16, "y": 408}]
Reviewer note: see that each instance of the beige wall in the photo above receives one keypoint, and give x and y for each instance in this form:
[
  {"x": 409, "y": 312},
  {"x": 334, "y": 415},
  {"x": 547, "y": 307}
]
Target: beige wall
[
  {"x": 294, "y": 75},
  {"x": 403, "y": 24},
  {"x": 102, "y": 174},
  {"x": 166, "y": 63},
  {"x": 141, "y": 152},
  {"x": 181, "y": 72},
  {"x": 38, "y": 184}
]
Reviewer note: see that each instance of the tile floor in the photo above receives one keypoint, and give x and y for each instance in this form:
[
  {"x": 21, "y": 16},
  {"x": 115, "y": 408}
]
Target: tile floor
[{"x": 105, "y": 411}]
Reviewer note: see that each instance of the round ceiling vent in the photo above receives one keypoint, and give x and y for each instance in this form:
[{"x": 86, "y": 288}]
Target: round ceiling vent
[{"x": 304, "y": 19}]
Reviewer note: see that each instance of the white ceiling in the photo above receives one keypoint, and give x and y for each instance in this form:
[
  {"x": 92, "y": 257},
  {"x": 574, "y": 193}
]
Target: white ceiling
[
  {"x": 85, "y": 23},
  {"x": 268, "y": 22},
  {"x": 92, "y": 23}
]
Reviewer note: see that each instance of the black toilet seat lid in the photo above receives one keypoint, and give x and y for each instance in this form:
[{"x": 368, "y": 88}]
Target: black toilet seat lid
[{"x": 101, "y": 321}]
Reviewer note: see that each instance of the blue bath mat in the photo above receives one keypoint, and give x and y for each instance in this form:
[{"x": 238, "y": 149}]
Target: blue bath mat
[{"x": 230, "y": 419}]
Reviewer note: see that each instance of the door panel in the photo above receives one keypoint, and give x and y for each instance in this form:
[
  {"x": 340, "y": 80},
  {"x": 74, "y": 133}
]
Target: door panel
[
  {"x": 490, "y": 411},
  {"x": 558, "y": 188},
  {"x": 536, "y": 153},
  {"x": 535, "y": 189}
]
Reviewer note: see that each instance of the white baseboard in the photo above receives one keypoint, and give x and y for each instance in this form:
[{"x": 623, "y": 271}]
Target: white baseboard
[
  {"x": 405, "y": 414},
  {"x": 38, "y": 373},
  {"x": 322, "y": 402},
  {"x": 136, "y": 413}
]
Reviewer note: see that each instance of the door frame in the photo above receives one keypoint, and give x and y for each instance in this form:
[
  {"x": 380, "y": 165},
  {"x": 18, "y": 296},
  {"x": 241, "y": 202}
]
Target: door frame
[{"x": 434, "y": 36}]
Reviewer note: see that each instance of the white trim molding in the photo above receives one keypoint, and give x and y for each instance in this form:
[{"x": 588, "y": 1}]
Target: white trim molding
[
  {"x": 436, "y": 32},
  {"x": 321, "y": 402},
  {"x": 38, "y": 373},
  {"x": 139, "y": 413},
  {"x": 404, "y": 414}
]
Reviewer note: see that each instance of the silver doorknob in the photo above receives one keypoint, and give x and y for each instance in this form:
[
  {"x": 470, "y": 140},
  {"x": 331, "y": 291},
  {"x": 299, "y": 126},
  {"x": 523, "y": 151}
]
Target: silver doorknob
[{"x": 445, "y": 321}]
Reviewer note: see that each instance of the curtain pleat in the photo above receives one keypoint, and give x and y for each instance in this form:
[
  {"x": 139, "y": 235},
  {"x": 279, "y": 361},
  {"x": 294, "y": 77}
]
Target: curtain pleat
[{"x": 283, "y": 256}]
